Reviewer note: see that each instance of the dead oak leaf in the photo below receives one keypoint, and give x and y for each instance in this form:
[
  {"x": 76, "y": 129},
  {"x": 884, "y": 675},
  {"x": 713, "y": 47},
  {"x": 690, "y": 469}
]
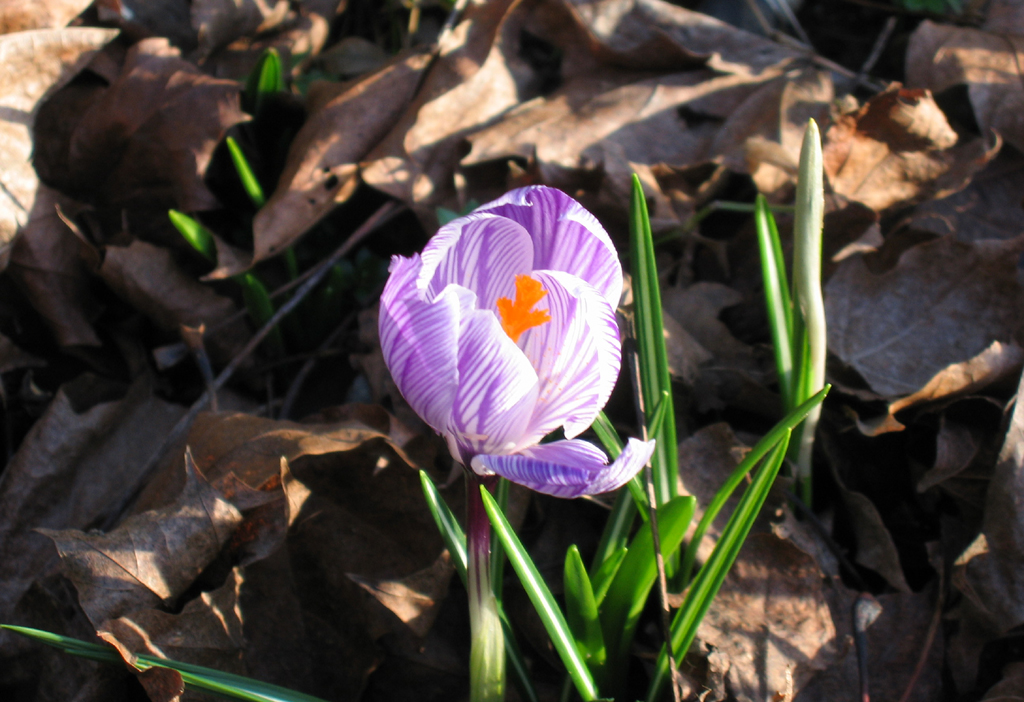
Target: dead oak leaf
[
  {"x": 219, "y": 22},
  {"x": 17, "y": 16},
  {"x": 943, "y": 303},
  {"x": 898, "y": 149},
  {"x": 36, "y": 63},
  {"x": 940, "y": 56},
  {"x": 152, "y": 557}
]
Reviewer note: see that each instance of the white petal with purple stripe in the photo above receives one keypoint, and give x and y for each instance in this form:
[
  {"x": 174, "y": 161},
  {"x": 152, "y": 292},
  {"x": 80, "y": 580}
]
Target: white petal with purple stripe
[{"x": 568, "y": 468}]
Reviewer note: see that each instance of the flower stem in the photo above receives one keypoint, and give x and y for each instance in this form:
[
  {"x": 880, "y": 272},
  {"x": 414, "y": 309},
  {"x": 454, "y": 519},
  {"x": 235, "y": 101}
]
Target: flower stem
[{"x": 487, "y": 648}]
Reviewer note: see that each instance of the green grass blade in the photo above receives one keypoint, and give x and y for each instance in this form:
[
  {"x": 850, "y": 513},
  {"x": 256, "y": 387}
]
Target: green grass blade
[
  {"x": 215, "y": 681},
  {"x": 778, "y": 433},
  {"x": 708, "y": 581},
  {"x": 622, "y": 606},
  {"x": 624, "y": 511},
  {"x": 605, "y": 574},
  {"x": 542, "y": 600},
  {"x": 606, "y": 433},
  {"x": 455, "y": 541},
  {"x": 261, "y": 309},
  {"x": 777, "y": 300},
  {"x": 654, "y": 378},
  {"x": 194, "y": 233},
  {"x": 250, "y": 183},
  {"x": 581, "y": 610}
]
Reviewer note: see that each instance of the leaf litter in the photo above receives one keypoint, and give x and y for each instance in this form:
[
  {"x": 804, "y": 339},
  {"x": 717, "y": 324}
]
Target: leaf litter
[{"x": 301, "y": 552}]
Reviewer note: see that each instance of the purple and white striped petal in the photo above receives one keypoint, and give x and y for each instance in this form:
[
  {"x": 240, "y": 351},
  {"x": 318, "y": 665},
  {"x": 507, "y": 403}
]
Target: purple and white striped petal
[
  {"x": 576, "y": 355},
  {"x": 481, "y": 252},
  {"x": 568, "y": 468},
  {"x": 566, "y": 237},
  {"x": 419, "y": 340},
  {"x": 497, "y": 389}
]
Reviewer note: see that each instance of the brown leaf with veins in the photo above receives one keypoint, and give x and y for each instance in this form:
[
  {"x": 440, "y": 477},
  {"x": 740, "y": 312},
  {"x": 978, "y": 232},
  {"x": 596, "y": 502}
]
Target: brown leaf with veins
[
  {"x": 414, "y": 599},
  {"x": 152, "y": 557},
  {"x": 898, "y": 149},
  {"x": 74, "y": 463},
  {"x": 36, "y": 64},
  {"x": 944, "y": 303},
  {"x": 940, "y": 56},
  {"x": 219, "y": 22},
  {"x": 344, "y": 123}
]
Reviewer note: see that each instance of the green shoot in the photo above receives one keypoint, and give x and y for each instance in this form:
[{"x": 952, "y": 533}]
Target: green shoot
[{"x": 250, "y": 183}]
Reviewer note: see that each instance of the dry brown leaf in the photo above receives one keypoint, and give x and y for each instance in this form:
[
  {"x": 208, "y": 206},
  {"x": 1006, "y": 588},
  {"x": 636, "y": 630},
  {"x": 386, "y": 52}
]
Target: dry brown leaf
[
  {"x": 995, "y": 363},
  {"x": 295, "y": 41},
  {"x": 36, "y": 64},
  {"x": 414, "y": 599},
  {"x": 220, "y": 22},
  {"x": 344, "y": 123},
  {"x": 207, "y": 631},
  {"x": 944, "y": 302},
  {"x": 146, "y": 277},
  {"x": 13, "y": 357},
  {"x": 770, "y": 623},
  {"x": 152, "y": 557},
  {"x": 955, "y": 447},
  {"x": 17, "y": 16},
  {"x": 147, "y": 138},
  {"x": 1010, "y": 688},
  {"x": 899, "y": 149},
  {"x": 940, "y": 56},
  {"x": 989, "y": 571},
  {"x": 74, "y": 463},
  {"x": 989, "y": 208}
]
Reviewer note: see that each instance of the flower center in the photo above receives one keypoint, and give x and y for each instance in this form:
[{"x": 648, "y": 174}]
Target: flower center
[{"x": 518, "y": 316}]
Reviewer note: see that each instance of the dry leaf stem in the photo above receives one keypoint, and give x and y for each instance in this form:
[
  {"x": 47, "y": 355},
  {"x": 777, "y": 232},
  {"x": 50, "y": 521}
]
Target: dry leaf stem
[{"x": 383, "y": 214}]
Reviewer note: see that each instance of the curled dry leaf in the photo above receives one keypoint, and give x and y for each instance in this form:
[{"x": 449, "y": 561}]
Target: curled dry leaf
[
  {"x": 995, "y": 363},
  {"x": 146, "y": 138},
  {"x": 36, "y": 64},
  {"x": 945, "y": 302},
  {"x": 955, "y": 448},
  {"x": 296, "y": 39},
  {"x": 988, "y": 62},
  {"x": 74, "y": 463},
  {"x": 152, "y": 557},
  {"x": 770, "y": 622},
  {"x": 16, "y": 16},
  {"x": 414, "y": 599},
  {"x": 899, "y": 149},
  {"x": 344, "y": 123}
]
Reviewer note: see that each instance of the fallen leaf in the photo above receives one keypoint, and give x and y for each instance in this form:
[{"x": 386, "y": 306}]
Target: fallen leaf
[
  {"x": 296, "y": 40},
  {"x": 988, "y": 208},
  {"x": 770, "y": 621},
  {"x": 36, "y": 64},
  {"x": 71, "y": 467},
  {"x": 1010, "y": 688},
  {"x": 152, "y": 557},
  {"x": 940, "y": 56},
  {"x": 147, "y": 138},
  {"x": 17, "y": 16},
  {"x": 13, "y": 357},
  {"x": 147, "y": 277},
  {"x": 898, "y": 149},
  {"x": 995, "y": 363},
  {"x": 219, "y": 22},
  {"x": 344, "y": 123},
  {"x": 955, "y": 449},
  {"x": 414, "y": 599},
  {"x": 945, "y": 302}
]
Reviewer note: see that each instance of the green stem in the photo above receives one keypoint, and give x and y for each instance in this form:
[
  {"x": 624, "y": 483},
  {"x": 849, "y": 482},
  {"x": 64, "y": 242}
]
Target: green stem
[{"x": 487, "y": 640}]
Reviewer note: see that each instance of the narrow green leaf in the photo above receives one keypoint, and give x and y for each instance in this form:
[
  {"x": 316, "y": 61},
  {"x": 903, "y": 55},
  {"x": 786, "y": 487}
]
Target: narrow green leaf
[
  {"x": 194, "y": 233},
  {"x": 581, "y": 610},
  {"x": 654, "y": 378},
  {"x": 261, "y": 308},
  {"x": 769, "y": 441},
  {"x": 604, "y": 575},
  {"x": 708, "y": 581},
  {"x": 207, "y": 679},
  {"x": 606, "y": 433},
  {"x": 542, "y": 600},
  {"x": 622, "y": 606},
  {"x": 777, "y": 300},
  {"x": 266, "y": 78},
  {"x": 250, "y": 183},
  {"x": 616, "y": 530},
  {"x": 455, "y": 541},
  {"x": 497, "y": 550}
]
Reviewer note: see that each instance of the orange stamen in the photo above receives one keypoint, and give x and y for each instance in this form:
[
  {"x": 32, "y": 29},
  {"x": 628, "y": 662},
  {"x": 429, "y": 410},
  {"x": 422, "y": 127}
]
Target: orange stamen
[{"x": 518, "y": 316}]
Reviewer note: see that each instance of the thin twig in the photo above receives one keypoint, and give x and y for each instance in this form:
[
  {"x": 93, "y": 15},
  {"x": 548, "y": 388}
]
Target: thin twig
[
  {"x": 300, "y": 378},
  {"x": 865, "y": 611},
  {"x": 384, "y": 213},
  {"x": 929, "y": 639},
  {"x": 193, "y": 337},
  {"x": 829, "y": 542},
  {"x": 781, "y": 7},
  {"x": 652, "y": 502},
  {"x": 877, "y": 48}
]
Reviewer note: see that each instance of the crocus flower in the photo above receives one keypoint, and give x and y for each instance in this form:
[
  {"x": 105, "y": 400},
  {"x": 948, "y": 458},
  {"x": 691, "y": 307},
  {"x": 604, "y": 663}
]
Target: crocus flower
[{"x": 503, "y": 330}]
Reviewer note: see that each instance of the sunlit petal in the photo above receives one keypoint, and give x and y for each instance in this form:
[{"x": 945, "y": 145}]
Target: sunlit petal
[{"x": 568, "y": 468}]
